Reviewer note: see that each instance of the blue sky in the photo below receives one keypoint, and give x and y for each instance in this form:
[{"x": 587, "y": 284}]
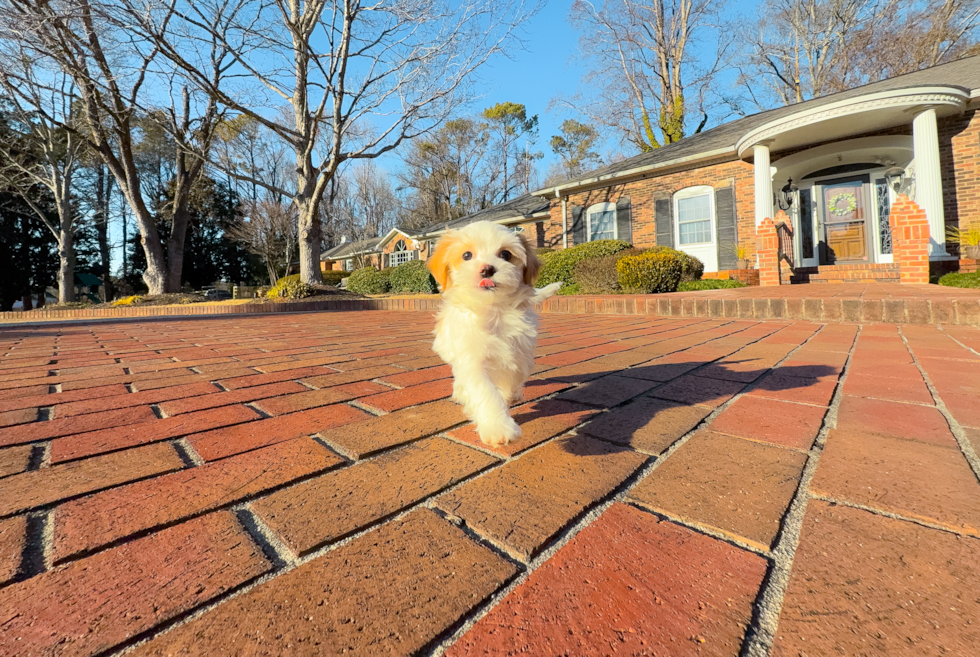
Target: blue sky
[{"x": 550, "y": 66}]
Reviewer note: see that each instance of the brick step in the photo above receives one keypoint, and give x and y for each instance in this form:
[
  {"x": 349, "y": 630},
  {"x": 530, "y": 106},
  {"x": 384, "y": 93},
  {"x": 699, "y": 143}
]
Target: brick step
[{"x": 842, "y": 274}]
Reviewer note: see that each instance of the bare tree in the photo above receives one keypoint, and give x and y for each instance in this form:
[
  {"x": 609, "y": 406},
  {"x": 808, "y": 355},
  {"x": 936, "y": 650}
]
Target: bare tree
[
  {"x": 119, "y": 83},
  {"x": 575, "y": 148},
  {"x": 450, "y": 173},
  {"x": 651, "y": 63},
  {"x": 802, "y": 49},
  {"x": 47, "y": 155},
  {"x": 269, "y": 230},
  {"x": 358, "y": 78}
]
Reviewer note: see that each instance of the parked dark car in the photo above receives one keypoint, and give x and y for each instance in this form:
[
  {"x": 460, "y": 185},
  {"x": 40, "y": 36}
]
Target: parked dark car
[{"x": 217, "y": 295}]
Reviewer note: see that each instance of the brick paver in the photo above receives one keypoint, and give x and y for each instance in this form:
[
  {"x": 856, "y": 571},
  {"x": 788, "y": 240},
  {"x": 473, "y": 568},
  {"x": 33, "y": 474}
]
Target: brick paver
[
  {"x": 628, "y": 584},
  {"x": 300, "y": 484}
]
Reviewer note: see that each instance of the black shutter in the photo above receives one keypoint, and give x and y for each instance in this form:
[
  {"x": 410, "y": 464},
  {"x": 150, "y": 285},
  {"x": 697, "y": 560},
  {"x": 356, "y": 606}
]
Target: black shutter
[
  {"x": 665, "y": 223},
  {"x": 578, "y": 226},
  {"x": 726, "y": 225},
  {"x": 624, "y": 224}
]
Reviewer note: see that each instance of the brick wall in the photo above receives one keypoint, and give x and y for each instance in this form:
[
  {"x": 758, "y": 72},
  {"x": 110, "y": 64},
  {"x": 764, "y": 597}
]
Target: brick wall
[
  {"x": 959, "y": 138},
  {"x": 645, "y": 192},
  {"x": 910, "y": 240},
  {"x": 959, "y": 157}
]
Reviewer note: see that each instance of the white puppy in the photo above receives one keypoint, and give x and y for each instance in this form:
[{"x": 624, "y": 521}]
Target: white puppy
[{"x": 487, "y": 328}]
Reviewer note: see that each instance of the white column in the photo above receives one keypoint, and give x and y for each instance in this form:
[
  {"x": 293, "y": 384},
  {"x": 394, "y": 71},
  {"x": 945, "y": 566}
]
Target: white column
[
  {"x": 763, "y": 182},
  {"x": 928, "y": 178}
]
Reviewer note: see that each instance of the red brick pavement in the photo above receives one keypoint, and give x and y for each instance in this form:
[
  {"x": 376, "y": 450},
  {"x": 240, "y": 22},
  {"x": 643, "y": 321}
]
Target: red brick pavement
[{"x": 301, "y": 484}]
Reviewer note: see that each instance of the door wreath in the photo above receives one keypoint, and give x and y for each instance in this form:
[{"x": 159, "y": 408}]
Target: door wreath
[{"x": 835, "y": 204}]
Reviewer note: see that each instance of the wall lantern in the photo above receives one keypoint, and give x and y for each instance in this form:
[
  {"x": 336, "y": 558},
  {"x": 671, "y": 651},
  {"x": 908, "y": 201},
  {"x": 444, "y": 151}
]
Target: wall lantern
[
  {"x": 896, "y": 179},
  {"x": 787, "y": 195}
]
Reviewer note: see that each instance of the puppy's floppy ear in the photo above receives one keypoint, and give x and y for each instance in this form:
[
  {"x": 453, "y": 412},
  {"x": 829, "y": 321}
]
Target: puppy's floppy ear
[
  {"x": 438, "y": 264},
  {"x": 533, "y": 264}
]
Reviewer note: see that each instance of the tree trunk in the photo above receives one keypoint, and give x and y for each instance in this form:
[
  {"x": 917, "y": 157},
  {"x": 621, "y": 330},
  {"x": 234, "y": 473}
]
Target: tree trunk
[
  {"x": 175, "y": 249},
  {"x": 310, "y": 237},
  {"x": 103, "y": 196},
  {"x": 66, "y": 267},
  {"x": 40, "y": 300},
  {"x": 155, "y": 275},
  {"x": 27, "y": 301}
]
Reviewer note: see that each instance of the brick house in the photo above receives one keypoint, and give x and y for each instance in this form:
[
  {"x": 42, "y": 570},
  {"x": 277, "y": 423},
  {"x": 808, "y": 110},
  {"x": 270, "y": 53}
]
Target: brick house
[
  {"x": 526, "y": 213},
  {"x": 397, "y": 246},
  {"x": 834, "y": 165}
]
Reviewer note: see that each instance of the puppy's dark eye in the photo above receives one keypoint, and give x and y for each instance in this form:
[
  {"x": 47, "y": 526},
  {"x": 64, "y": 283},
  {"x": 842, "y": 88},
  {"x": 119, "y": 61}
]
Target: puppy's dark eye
[
  {"x": 505, "y": 255},
  {"x": 467, "y": 256}
]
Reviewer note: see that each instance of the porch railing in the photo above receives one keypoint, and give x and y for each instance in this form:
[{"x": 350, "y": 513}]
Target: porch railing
[{"x": 784, "y": 234}]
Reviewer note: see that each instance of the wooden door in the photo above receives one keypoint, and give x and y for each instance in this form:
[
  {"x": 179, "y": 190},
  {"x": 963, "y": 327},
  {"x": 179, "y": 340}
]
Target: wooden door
[{"x": 845, "y": 220}]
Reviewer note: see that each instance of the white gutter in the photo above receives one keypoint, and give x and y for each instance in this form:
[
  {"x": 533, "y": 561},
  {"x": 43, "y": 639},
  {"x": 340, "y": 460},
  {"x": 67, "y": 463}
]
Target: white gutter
[{"x": 939, "y": 95}]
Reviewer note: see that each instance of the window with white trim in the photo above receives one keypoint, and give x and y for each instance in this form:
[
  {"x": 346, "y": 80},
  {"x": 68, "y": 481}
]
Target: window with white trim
[
  {"x": 401, "y": 254},
  {"x": 601, "y": 221},
  {"x": 694, "y": 209}
]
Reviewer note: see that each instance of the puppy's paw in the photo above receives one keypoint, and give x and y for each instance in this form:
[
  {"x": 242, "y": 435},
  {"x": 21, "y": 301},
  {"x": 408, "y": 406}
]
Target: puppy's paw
[
  {"x": 517, "y": 398},
  {"x": 546, "y": 292},
  {"x": 502, "y": 432}
]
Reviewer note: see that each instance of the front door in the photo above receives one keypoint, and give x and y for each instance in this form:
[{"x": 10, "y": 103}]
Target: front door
[{"x": 845, "y": 221}]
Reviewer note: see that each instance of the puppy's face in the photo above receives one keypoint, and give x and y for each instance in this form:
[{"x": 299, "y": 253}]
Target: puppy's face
[{"x": 483, "y": 258}]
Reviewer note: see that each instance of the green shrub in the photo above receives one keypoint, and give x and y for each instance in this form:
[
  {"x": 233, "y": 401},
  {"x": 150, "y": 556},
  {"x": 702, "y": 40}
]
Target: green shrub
[
  {"x": 691, "y": 268},
  {"x": 599, "y": 275},
  {"x": 708, "y": 284},
  {"x": 334, "y": 277},
  {"x": 290, "y": 287},
  {"x": 560, "y": 265},
  {"x": 957, "y": 279},
  {"x": 369, "y": 281},
  {"x": 569, "y": 289},
  {"x": 657, "y": 270},
  {"x": 412, "y": 277}
]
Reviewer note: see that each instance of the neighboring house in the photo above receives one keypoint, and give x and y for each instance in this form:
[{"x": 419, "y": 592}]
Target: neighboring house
[
  {"x": 528, "y": 214},
  {"x": 348, "y": 256},
  {"x": 833, "y": 164}
]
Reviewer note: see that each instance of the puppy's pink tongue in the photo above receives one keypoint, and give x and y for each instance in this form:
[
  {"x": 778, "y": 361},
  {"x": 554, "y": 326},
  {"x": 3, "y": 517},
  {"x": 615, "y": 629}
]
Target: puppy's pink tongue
[{"x": 486, "y": 282}]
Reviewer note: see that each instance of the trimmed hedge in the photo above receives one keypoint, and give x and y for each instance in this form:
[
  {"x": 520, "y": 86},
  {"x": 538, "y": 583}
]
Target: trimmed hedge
[
  {"x": 411, "y": 277},
  {"x": 691, "y": 268},
  {"x": 333, "y": 277},
  {"x": 290, "y": 287},
  {"x": 654, "y": 271},
  {"x": 599, "y": 275},
  {"x": 559, "y": 266},
  {"x": 958, "y": 279},
  {"x": 369, "y": 280},
  {"x": 708, "y": 284}
]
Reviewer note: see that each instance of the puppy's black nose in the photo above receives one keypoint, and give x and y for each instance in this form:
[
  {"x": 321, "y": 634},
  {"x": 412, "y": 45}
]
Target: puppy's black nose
[{"x": 487, "y": 271}]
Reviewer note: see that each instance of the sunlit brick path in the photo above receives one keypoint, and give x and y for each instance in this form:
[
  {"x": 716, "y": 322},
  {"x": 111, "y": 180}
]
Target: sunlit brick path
[{"x": 301, "y": 484}]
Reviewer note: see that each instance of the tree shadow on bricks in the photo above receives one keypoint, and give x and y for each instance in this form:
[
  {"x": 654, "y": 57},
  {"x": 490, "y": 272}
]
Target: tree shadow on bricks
[{"x": 651, "y": 406}]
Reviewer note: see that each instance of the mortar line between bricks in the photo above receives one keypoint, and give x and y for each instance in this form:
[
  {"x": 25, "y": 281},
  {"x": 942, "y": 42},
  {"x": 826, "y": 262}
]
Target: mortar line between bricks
[
  {"x": 942, "y": 329},
  {"x": 187, "y": 453},
  {"x": 38, "y": 544},
  {"x": 40, "y": 456},
  {"x": 707, "y": 530},
  {"x": 230, "y": 505},
  {"x": 196, "y": 612},
  {"x": 438, "y": 645},
  {"x": 922, "y": 522},
  {"x": 761, "y": 633},
  {"x": 966, "y": 448},
  {"x": 590, "y": 514}
]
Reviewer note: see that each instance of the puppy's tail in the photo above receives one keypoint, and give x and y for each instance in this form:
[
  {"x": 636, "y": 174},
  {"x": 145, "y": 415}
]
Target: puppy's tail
[{"x": 546, "y": 292}]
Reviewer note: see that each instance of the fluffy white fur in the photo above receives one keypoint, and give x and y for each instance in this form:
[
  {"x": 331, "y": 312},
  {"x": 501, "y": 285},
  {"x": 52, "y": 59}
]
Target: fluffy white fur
[{"x": 487, "y": 329}]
